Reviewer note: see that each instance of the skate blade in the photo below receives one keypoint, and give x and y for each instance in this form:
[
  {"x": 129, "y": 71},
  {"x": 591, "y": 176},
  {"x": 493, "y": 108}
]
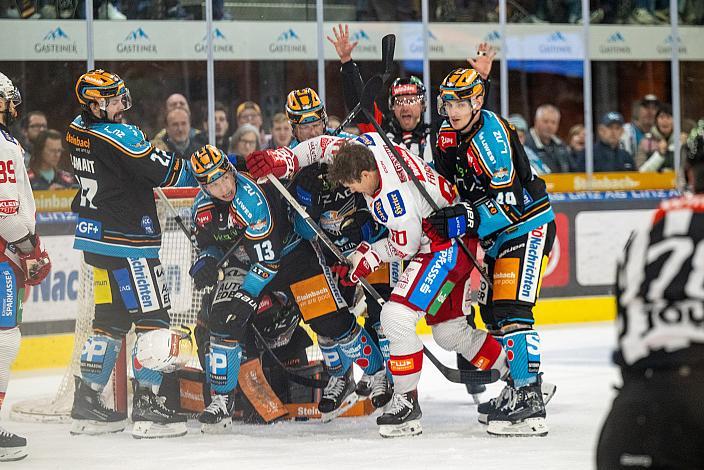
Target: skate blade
[
  {"x": 346, "y": 405},
  {"x": 91, "y": 427},
  {"x": 548, "y": 390},
  {"x": 527, "y": 427},
  {"x": 411, "y": 428},
  {"x": 10, "y": 454},
  {"x": 152, "y": 430},
  {"x": 223, "y": 427}
]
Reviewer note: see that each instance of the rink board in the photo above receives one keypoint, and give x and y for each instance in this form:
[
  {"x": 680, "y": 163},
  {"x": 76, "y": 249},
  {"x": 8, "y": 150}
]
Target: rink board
[{"x": 51, "y": 351}]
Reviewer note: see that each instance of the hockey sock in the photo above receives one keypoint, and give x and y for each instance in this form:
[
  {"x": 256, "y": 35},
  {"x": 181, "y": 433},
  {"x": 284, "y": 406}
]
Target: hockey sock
[
  {"x": 406, "y": 370},
  {"x": 98, "y": 359},
  {"x": 223, "y": 365},
  {"x": 336, "y": 361},
  {"x": 359, "y": 347},
  {"x": 9, "y": 345},
  {"x": 383, "y": 347},
  {"x": 523, "y": 354}
]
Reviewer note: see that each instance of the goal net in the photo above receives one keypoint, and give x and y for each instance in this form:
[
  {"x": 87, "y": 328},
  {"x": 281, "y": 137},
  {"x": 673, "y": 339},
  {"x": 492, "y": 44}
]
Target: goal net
[{"x": 177, "y": 255}]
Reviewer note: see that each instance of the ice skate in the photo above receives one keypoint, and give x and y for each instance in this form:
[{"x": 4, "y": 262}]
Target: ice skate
[
  {"x": 217, "y": 417},
  {"x": 522, "y": 413},
  {"x": 403, "y": 416},
  {"x": 12, "y": 446},
  {"x": 152, "y": 419},
  {"x": 483, "y": 410},
  {"x": 339, "y": 396},
  {"x": 90, "y": 416}
]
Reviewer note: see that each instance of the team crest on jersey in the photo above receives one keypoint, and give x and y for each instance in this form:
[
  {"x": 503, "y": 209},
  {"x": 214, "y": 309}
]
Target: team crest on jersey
[
  {"x": 148, "y": 225},
  {"x": 447, "y": 140},
  {"x": 397, "y": 206},
  {"x": 379, "y": 212}
]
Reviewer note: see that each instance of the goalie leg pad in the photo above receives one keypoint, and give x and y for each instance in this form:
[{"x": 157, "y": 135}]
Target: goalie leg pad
[
  {"x": 223, "y": 365},
  {"x": 98, "y": 358}
]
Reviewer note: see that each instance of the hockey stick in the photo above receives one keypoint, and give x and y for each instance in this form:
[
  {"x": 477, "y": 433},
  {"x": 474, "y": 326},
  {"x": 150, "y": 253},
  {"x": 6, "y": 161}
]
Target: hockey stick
[
  {"x": 179, "y": 221},
  {"x": 388, "y": 47},
  {"x": 472, "y": 377},
  {"x": 367, "y": 103},
  {"x": 299, "y": 379}
]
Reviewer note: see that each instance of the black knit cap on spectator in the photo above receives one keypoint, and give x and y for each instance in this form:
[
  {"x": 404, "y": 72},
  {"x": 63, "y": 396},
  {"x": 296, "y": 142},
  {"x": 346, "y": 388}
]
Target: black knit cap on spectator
[{"x": 611, "y": 117}]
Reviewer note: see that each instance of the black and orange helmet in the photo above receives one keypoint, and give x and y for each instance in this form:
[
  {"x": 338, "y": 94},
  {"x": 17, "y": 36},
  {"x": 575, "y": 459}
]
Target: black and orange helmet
[
  {"x": 99, "y": 86},
  {"x": 209, "y": 163},
  {"x": 304, "y": 106},
  {"x": 460, "y": 84}
]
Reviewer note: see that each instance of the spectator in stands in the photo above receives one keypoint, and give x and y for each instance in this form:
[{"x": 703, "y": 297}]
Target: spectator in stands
[
  {"x": 44, "y": 171},
  {"x": 175, "y": 100},
  {"x": 608, "y": 153},
  {"x": 179, "y": 137},
  {"x": 657, "y": 150},
  {"x": 281, "y": 132},
  {"x": 575, "y": 141},
  {"x": 644, "y": 13},
  {"x": 222, "y": 126},
  {"x": 521, "y": 126},
  {"x": 543, "y": 140},
  {"x": 33, "y": 124},
  {"x": 244, "y": 141},
  {"x": 642, "y": 119}
]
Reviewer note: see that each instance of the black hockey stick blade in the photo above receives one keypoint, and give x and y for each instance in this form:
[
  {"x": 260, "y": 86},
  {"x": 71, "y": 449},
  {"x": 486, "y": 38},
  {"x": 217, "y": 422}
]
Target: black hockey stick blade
[
  {"x": 467, "y": 377},
  {"x": 388, "y": 47},
  {"x": 369, "y": 93},
  {"x": 299, "y": 379}
]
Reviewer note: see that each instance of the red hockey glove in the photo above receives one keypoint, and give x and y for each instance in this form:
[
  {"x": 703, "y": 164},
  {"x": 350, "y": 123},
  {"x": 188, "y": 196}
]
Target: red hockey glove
[
  {"x": 35, "y": 263},
  {"x": 364, "y": 261},
  {"x": 280, "y": 163}
]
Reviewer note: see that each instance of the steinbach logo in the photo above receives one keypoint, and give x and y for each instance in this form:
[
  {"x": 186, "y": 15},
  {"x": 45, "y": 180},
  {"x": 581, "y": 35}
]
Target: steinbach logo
[
  {"x": 288, "y": 41},
  {"x": 136, "y": 41},
  {"x": 433, "y": 44},
  {"x": 56, "y": 41},
  {"x": 556, "y": 43},
  {"x": 615, "y": 44},
  {"x": 220, "y": 43}
]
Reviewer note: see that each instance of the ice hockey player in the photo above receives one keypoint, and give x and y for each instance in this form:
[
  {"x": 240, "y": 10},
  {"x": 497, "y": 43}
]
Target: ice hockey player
[
  {"x": 436, "y": 279},
  {"x": 656, "y": 419},
  {"x": 119, "y": 234},
  {"x": 506, "y": 205},
  {"x": 229, "y": 205},
  {"x": 23, "y": 260},
  {"x": 307, "y": 115},
  {"x": 401, "y": 116},
  {"x": 344, "y": 218}
]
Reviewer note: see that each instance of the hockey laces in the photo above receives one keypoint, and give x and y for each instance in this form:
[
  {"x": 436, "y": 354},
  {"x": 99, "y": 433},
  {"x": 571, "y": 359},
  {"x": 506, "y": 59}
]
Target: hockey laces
[
  {"x": 219, "y": 402},
  {"x": 511, "y": 398},
  {"x": 335, "y": 387},
  {"x": 380, "y": 385},
  {"x": 5, "y": 433},
  {"x": 504, "y": 396},
  {"x": 398, "y": 403}
]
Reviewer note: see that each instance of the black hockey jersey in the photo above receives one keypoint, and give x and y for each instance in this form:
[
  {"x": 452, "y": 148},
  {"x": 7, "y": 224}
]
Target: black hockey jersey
[
  {"x": 117, "y": 169},
  {"x": 660, "y": 289}
]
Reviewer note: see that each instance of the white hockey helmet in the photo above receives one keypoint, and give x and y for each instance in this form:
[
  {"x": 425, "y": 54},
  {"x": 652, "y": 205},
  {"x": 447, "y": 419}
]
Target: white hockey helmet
[
  {"x": 9, "y": 91},
  {"x": 163, "y": 349}
]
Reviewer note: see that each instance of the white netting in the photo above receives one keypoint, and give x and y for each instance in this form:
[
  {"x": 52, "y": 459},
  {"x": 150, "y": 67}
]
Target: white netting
[{"x": 176, "y": 256}]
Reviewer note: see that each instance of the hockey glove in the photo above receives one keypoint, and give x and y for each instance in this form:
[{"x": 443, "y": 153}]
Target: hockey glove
[
  {"x": 280, "y": 163},
  {"x": 241, "y": 307},
  {"x": 363, "y": 261},
  {"x": 309, "y": 187},
  {"x": 34, "y": 258},
  {"x": 359, "y": 227},
  {"x": 455, "y": 221},
  {"x": 204, "y": 271}
]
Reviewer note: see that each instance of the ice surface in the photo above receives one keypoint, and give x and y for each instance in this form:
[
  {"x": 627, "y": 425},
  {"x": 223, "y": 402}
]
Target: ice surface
[{"x": 575, "y": 358}]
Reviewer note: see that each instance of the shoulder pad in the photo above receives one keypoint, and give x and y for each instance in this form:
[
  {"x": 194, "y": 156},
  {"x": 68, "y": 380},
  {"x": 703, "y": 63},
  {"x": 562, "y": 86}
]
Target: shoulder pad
[{"x": 130, "y": 139}]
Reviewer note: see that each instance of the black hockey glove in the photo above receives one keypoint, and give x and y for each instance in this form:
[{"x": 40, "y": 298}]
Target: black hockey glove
[
  {"x": 310, "y": 184},
  {"x": 204, "y": 271},
  {"x": 455, "y": 221},
  {"x": 359, "y": 227},
  {"x": 242, "y": 307}
]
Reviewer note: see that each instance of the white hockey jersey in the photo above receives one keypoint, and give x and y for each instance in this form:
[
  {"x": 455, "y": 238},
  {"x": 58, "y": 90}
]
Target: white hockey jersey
[
  {"x": 17, "y": 210},
  {"x": 397, "y": 204}
]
